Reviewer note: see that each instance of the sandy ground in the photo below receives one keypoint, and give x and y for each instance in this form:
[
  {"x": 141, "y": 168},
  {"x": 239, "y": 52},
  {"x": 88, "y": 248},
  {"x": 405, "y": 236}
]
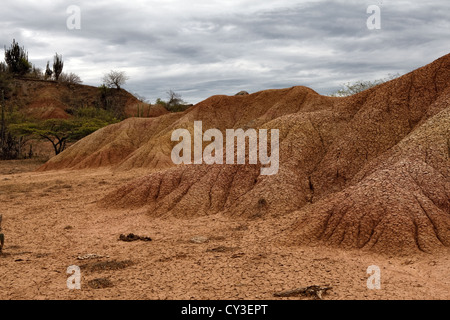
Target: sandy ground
[{"x": 50, "y": 219}]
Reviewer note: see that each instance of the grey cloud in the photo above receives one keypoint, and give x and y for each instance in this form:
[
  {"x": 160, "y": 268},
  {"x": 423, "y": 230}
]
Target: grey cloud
[{"x": 202, "y": 48}]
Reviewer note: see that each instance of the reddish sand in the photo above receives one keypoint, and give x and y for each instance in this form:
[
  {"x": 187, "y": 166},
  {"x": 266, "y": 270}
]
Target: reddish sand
[{"x": 52, "y": 218}]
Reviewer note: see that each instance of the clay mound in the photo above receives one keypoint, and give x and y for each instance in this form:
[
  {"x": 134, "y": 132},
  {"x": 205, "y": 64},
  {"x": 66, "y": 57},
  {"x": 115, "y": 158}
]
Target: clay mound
[
  {"x": 369, "y": 171},
  {"x": 107, "y": 146},
  {"x": 401, "y": 207},
  {"x": 154, "y": 151}
]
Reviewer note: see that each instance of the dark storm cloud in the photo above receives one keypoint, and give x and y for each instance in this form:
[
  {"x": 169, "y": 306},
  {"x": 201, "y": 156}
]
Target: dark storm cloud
[{"x": 201, "y": 48}]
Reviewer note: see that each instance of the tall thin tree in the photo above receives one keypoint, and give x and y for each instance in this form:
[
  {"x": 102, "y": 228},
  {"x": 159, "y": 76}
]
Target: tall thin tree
[
  {"x": 58, "y": 65},
  {"x": 17, "y": 59}
]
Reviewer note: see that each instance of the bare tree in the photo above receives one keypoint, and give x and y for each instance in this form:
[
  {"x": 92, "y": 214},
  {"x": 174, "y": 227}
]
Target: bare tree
[
  {"x": 70, "y": 78},
  {"x": 174, "y": 98},
  {"x": 115, "y": 79}
]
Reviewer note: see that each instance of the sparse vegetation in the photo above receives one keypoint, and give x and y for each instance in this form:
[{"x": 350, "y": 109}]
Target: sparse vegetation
[
  {"x": 109, "y": 100},
  {"x": 115, "y": 79},
  {"x": 70, "y": 78},
  {"x": 174, "y": 103},
  {"x": 17, "y": 65},
  {"x": 11, "y": 146},
  {"x": 349, "y": 89}
]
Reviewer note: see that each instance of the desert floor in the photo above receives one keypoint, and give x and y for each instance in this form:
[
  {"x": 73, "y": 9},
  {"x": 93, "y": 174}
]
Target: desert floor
[{"x": 51, "y": 219}]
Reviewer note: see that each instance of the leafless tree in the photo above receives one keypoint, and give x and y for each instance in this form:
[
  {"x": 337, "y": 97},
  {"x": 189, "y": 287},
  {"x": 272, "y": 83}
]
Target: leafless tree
[
  {"x": 174, "y": 98},
  {"x": 115, "y": 79},
  {"x": 70, "y": 78}
]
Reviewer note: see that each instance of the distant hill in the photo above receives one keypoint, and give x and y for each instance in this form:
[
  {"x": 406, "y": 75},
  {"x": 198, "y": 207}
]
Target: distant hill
[{"x": 41, "y": 99}]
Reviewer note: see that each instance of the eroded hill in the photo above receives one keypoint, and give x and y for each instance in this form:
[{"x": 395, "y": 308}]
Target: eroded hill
[{"x": 370, "y": 171}]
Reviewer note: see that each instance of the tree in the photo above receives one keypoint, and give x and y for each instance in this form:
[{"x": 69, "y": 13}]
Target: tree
[
  {"x": 115, "y": 79},
  {"x": 175, "y": 102},
  {"x": 59, "y": 131},
  {"x": 70, "y": 78},
  {"x": 58, "y": 65},
  {"x": 48, "y": 72},
  {"x": 174, "y": 98},
  {"x": 17, "y": 59},
  {"x": 110, "y": 100}
]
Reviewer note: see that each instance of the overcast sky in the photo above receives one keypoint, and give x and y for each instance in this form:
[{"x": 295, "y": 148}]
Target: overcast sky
[{"x": 207, "y": 47}]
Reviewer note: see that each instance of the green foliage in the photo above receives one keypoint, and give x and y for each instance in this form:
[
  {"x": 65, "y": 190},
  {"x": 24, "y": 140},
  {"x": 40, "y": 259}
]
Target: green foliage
[
  {"x": 175, "y": 102},
  {"x": 87, "y": 112},
  {"x": 109, "y": 100},
  {"x": 161, "y": 102},
  {"x": 350, "y": 89},
  {"x": 58, "y": 131},
  {"x": 178, "y": 107},
  {"x": 17, "y": 59}
]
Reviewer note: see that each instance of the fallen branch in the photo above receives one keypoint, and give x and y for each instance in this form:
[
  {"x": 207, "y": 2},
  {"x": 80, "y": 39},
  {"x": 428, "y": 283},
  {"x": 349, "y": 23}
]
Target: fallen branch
[{"x": 311, "y": 291}]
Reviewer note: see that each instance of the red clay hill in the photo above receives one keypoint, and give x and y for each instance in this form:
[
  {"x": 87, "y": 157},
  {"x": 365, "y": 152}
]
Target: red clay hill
[{"x": 369, "y": 172}]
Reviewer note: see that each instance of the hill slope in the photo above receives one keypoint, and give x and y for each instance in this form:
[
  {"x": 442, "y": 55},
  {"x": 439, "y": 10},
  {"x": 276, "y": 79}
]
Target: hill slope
[
  {"x": 369, "y": 171},
  {"x": 53, "y": 100}
]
